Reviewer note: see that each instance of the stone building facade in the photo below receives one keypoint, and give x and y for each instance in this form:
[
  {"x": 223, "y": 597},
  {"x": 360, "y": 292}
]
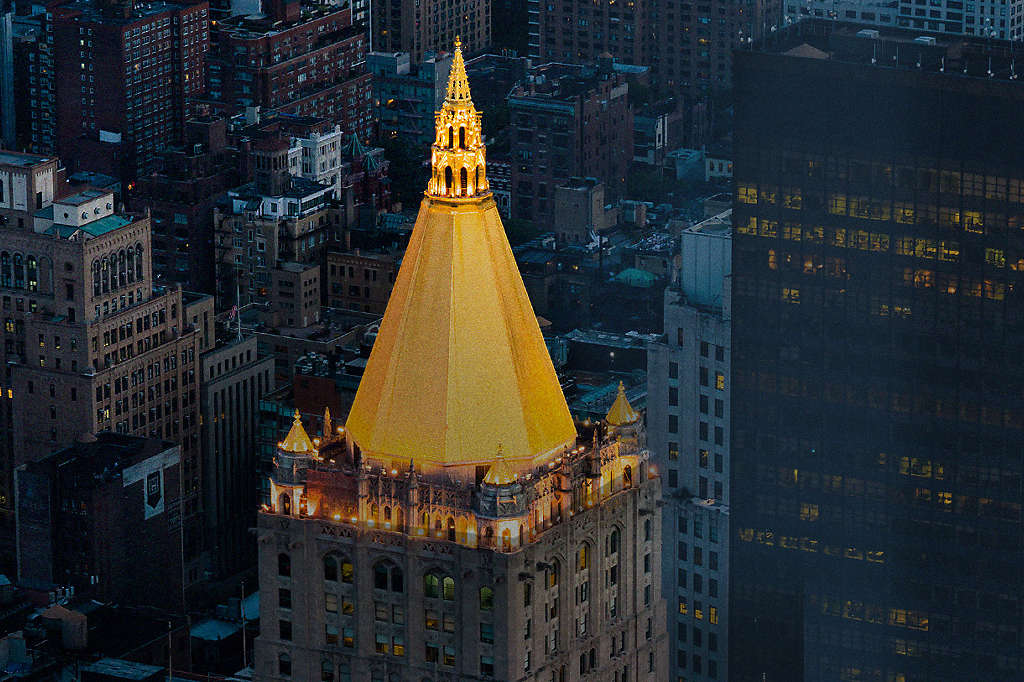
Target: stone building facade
[
  {"x": 461, "y": 525},
  {"x": 91, "y": 345}
]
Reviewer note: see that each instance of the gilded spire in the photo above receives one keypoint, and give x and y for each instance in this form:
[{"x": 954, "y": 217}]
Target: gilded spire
[
  {"x": 297, "y": 440},
  {"x": 621, "y": 412},
  {"x": 458, "y": 156},
  {"x": 460, "y": 361},
  {"x": 458, "y": 81}
]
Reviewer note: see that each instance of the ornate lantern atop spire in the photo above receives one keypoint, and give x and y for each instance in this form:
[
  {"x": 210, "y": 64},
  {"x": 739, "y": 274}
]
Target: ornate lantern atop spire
[{"x": 457, "y": 157}]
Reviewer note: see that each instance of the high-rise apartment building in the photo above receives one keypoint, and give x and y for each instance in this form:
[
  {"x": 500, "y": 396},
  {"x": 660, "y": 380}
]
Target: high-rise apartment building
[
  {"x": 878, "y": 419},
  {"x": 687, "y": 45},
  {"x": 1001, "y": 19},
  {"x": 270, "y": 238},
  {"x": 425, "y": 28},
  {"x": 123, "y": 76},
  {"x": 305, "y": 61},
  {"x": 461, "y": 524},
  {"x": 234, "y": 378},
  {"x": 90, "y": 344},
  {"x": 568, "y": 121},
  {"x": 180, "y": 197},
  {"x": 688, "y": 435},
  {"x": 406, "y": 95}
]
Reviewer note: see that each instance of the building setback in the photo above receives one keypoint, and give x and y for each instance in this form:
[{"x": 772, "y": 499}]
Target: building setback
[
  {"x": 477, "y": 531},
  {"x": 124, "y": 75},
  {"x": 688, "y": 435},
  {"x": 878, "y": 418}
]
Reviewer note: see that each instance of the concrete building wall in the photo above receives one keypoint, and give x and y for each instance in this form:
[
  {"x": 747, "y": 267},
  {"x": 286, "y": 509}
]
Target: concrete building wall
[
  {"x": 688, "y": 425},
  {"x": 234, "y": 379}
]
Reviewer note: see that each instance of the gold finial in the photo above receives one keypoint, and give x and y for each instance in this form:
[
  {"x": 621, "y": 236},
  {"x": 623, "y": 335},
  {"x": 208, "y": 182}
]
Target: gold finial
[
  {"x": 328, "y": 430},
  {"x": 500, "y": 473},
  {"x": 621, "y": 412},
  {"x": 458, "y": 155},
  {"x": 297, "y": 440}
]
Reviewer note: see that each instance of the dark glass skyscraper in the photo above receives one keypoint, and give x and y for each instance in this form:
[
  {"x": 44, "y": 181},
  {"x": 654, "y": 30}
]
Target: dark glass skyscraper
[{"x": 878, "y": 335}]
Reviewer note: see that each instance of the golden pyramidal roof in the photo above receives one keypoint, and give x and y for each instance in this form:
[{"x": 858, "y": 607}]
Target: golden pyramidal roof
[
  {"x": 459, "y": 362},
  {"x": 297, "y": 440},
  {"x": 621, "y": 411}
]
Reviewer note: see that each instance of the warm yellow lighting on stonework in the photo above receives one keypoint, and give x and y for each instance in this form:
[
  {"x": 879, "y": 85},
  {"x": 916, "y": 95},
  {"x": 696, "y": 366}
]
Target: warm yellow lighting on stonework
[
  {"x": 296, "y": 440},
  {"x": 457, "y": 157},
  {"x": 459, "y": 363}
]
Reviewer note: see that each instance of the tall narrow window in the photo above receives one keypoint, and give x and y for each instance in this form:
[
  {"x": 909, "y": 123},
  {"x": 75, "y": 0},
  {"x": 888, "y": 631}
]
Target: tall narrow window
[
  {"x": 463, "y": 182},
  {"x": 448, "y": 181},
  {"x": 450, "y": 137},
  {"x": 462, "y": 137},
  {"x": 33, "y": 273}
]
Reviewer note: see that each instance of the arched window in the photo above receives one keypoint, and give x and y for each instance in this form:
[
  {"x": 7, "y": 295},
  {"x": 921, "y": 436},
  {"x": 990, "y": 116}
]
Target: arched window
[
  {"x": 326, "y": 671},
  {"x": 552, "y": 573},
  {"x": 330, "y": 568},
  {"x": 106, "y": 275},
  {"x": 462, "y": 137},
  {"x": 33, "y": 273},
  {"x": 284, "y": 565},
  {"x": 122, "y": 263},
  {"x": 476, "y": 180},
  {"x": 95, "y": 278},
  {"x": 627, "y": 476},
  {"x": 612, "y": 546},
  {"x": 506, "y": 540},
  {"x": 448, "y": 180},
  {"x": 138, "y": 262},
  {"x": 583, "y": 557},
  {"x": 388, "y": 576},
  {"x": 5, "y": 269},
  {"x": 486, "y": 598},
  {"x": 284, "y": 504},
  {"x": 387, "y": 513},
  {"x": 451, "y": 529},
  {"x": 131, "y": 264},
  {"x": 431, "y": 586},
  {"x": 448, "y": 585},
  {"x": 463, "y": 182},
  {"x": 284, "y": 665},
  {"x": 19, "y": 272},
  {"x": 437, "y": 526},
  {"x": 450, "y": 136}
]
